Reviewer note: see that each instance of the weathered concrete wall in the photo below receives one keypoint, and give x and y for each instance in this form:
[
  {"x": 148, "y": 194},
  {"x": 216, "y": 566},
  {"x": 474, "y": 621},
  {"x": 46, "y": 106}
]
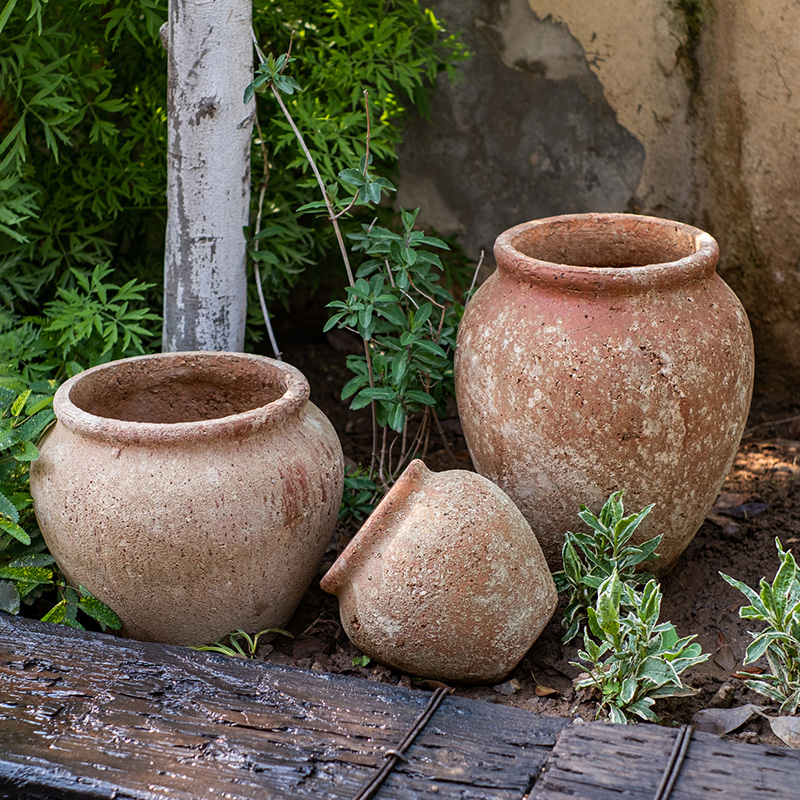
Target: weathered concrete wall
[{"x": 686, "y": 110}]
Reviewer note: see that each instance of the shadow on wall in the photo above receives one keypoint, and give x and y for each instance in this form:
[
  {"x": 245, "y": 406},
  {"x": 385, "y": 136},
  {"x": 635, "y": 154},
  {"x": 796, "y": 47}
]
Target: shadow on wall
[{"x": 526, "y": 134}]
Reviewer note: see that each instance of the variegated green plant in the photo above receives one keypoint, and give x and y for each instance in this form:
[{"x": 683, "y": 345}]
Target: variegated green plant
[
  {"x": 777, "y": 604},
  {"x": 236, "y": 648},
  {"x": 631, "y": 658},
  {"x": 591, "y": 558},
  {"x": 26, "y": 568}
]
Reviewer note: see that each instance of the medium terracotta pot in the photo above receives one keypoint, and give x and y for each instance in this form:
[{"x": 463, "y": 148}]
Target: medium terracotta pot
[
  {"x": 444, "y": 580},
  {"x": 194, "y": 493},
  {"x": 605, "y": 353}
]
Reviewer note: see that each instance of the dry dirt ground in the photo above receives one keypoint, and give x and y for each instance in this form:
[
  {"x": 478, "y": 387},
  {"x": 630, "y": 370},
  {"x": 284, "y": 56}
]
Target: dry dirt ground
[{"x": 759, "y": 501}]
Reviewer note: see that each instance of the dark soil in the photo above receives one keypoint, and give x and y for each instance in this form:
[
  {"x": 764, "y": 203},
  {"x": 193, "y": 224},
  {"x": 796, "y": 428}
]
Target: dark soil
[{"x": 760, "y": 500}]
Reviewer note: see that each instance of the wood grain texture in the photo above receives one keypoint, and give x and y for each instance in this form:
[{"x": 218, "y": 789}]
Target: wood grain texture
[
  {"x": 91, "y": 716},
  {"x": 600, "y": 761}
]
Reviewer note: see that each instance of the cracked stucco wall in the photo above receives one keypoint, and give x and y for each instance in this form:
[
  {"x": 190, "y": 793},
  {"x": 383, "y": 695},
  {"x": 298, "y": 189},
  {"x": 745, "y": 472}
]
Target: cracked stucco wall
[{"x": 685, "y": 109}]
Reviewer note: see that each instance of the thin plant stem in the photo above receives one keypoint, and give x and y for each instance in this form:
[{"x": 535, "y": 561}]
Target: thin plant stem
[
  {"x": 403, "y": 441},
  {"x": 366, "y": 163},
  {"x": 442, "y": 434},
  {"x": 320, "y": 182},
  {"x": 427, "y": 438},
  {"x": 256, "y": 269},
  {"x": 771, "y": 422},
  {"x": 383, "y": 454},
  {"x": 416, "y": 442},
  {"x": 474, "y": 279},
  {"x": 336, "y": 229}
]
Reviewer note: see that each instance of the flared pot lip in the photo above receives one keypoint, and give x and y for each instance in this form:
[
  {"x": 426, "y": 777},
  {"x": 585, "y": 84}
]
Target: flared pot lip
[
  {"x": 376, "y": 527},
  {"x": 118, "y": 431},
  {"x": 696, "y": 265}
]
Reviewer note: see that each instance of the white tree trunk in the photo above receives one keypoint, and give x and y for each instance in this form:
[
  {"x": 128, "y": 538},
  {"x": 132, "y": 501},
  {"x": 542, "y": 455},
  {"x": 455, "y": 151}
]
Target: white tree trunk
[{"x": 208, "y": 174}]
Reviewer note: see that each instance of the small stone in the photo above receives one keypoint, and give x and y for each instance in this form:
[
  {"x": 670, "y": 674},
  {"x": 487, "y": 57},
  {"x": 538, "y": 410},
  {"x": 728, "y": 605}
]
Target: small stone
[
  {"x": 507, "y": 688},
  {"x": 723, "y": 698}
]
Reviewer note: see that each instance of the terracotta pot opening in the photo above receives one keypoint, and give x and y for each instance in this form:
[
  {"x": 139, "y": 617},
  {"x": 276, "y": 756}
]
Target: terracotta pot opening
[
  {"x": 179, "y": 389},
  {"x": 614, "y": 240}
]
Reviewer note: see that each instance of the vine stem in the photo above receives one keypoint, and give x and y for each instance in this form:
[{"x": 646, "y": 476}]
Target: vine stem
[
  {"x": 366, "y": 163},
  {"x": 337, "y": 230},
  {"x": 313, "y": 164},
  {"x": 474, "y": 278},
  {"x": 256, "y": 268}
]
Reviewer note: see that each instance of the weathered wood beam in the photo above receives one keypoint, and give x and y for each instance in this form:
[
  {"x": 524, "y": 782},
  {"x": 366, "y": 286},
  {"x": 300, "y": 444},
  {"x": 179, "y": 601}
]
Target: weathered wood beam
[
  {"x": 602, "y": 761},
  {"x": 92, "y": 716}
]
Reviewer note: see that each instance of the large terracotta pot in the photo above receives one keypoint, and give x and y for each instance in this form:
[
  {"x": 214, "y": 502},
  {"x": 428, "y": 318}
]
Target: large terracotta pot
[
  {"x": 444, "y": 580},
  {"x": 605, "y": 353},
  {"x": 194, "y": 493}
]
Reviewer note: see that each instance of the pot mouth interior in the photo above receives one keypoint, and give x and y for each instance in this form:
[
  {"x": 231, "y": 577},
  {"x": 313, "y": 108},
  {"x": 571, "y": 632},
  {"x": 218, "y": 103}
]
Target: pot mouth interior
[
  {"x": 608, "y": 241},
  {"x": 179, "y": 388}
]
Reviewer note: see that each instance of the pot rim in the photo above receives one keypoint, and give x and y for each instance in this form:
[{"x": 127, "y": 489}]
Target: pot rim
[
  {"x": 375, "y": 527},
  {"x": 118, "y": 431},
  {"x": 696, "y": 265}
]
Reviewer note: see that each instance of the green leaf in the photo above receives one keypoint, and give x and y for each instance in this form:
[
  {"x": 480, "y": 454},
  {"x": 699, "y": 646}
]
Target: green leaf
[
  {"x": 397, "y": 418},
  {"x": 4, "y": 15},
  {"x": 19, "y": 404},
  {"x": 642, "y": 709},
  {"x": 25, "y": 451},
  {"x": 98, "y": 610},
  {"x": 617, "y": 716},
  {"x": 353, "y": 177},
  {"x": 9, "y": 597},
  {"x": 754, "y": 599},
  {"x": 27, "y": 574},
  {"x": 8, "y": 509},
  {"x": 420, "y": 398},
  {"x": 14, "y": 530}
]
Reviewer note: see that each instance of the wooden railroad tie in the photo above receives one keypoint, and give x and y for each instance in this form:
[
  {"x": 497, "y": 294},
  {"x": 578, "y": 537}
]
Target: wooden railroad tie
[{"x": 86, "y": 715}]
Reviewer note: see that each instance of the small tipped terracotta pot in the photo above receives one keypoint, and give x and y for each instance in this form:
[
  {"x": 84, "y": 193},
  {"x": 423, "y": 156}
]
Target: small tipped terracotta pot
[
  {"x": 194, "y": 493},
  {"x": 605, "y": 353},
  {"x": 445, "y": 579}
]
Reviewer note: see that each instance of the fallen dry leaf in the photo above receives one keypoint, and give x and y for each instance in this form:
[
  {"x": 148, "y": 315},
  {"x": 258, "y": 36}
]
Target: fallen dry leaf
[
  {"x": 544, "y": 691},
  {"x": 723, "y": 656},
  {"x": 787, "y": 729},
  {"x": 723, "y": 720},
  {"x": 746, "y": 672}
]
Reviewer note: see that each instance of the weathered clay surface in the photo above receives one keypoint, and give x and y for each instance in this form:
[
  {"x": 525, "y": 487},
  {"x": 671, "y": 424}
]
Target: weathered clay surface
[
  {"x": 195, "y": 493},
  {"x": 605, "y": 353},
  {"x": 444, "y": 580}
]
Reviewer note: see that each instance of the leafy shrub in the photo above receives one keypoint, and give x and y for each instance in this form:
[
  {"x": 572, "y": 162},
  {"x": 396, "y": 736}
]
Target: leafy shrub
[
  {"x": 360, "y": 496},
  {"x": 82, "y": 166},
  {"x": 394, "y": 50},
  {"x": 83, "y": 131},
  {"x": 93, "y": 323},
  {"x": 591, "y": 558},
  {"x": 404, "y": 317},
  {"x": 632, "y": 659},
  {"x": 778, "y": 605}
]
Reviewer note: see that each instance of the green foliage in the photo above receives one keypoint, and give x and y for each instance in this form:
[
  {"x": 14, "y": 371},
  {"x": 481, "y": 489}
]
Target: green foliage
[
  {"x": 392, "y": 49},
  {"x": 93, "y": 323},
  {"x": 242, "y": 644},
  {"x": 631, "y": 658},
  {"x": 102, "y": 313},
  {"x": 591, "y": 558},
  {"x": 82, "y": 121},
  {"x": 83, "y": 131},
  {"x": 407, "y": 320},
  {"x": 778, "y": 605},
  {"x": 361, "y": 495},
  {"x": 361, "y": 661}
]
